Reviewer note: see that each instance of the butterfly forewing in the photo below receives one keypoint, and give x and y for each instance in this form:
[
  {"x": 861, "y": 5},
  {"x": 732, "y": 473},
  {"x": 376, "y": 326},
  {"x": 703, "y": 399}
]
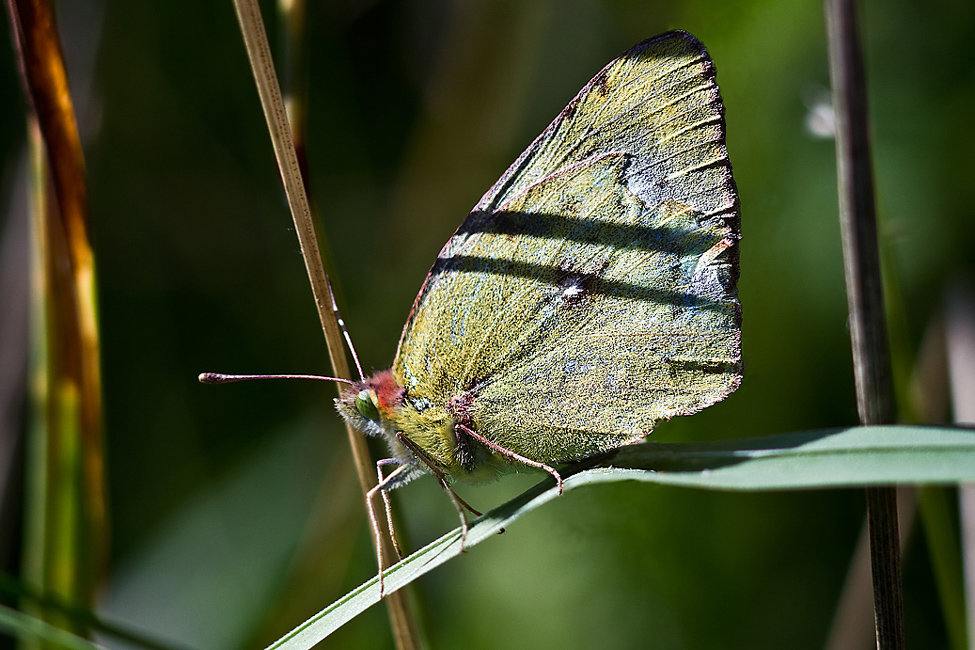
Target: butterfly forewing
[
  {"x": 658, "y": 102},
  {"x": 591, "y": 293}
]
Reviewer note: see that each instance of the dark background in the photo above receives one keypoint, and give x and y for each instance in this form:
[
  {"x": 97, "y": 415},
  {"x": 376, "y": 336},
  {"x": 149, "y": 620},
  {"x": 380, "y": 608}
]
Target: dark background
[{"x": 234, "y": 509}]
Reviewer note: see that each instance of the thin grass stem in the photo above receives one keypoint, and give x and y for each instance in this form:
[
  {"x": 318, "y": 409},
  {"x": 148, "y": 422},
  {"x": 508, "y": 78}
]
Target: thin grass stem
[
  {"x": 71, "y": 501},
  {"x": 259, "y": 53},
  {"x": 868, "y": 328}
]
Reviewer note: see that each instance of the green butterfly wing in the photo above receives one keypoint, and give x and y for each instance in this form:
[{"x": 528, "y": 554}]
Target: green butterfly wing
[{"x": 591, "y": 292}]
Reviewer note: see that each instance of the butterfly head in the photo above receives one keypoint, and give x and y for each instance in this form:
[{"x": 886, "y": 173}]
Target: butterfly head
[
  {"x": 371, "y": 404},
  {"x": 423, "y": 438}
]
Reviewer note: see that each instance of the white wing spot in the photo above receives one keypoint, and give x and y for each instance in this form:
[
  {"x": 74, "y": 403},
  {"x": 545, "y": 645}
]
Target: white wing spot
[{"x": 572, "y": 292}]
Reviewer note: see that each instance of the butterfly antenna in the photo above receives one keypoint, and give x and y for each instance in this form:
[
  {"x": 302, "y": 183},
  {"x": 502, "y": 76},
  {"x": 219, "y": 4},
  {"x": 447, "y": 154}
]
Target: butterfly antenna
[
  {"x": 345, "y": 332},
  {"x": 220, "y": 378}
]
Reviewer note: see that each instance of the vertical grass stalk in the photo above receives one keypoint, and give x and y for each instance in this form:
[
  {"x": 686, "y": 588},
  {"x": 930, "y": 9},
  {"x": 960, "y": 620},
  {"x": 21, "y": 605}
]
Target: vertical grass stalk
[
  {"x": 66, "y": 532},
  {"x": 405, "y": 631},
  {"x": 868, "y": 328}
]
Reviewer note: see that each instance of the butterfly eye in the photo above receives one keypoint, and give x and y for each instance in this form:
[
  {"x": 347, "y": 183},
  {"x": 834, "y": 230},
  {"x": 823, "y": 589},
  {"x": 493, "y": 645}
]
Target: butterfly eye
[{"x": 366, "y": 406}]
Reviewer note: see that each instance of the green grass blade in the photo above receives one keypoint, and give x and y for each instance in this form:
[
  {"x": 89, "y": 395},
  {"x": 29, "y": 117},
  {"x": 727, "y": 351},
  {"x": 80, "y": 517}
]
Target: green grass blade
[
  {"x": 826, "y": 458},
  {"x": 943, "y": 541},
  {"x": 23, "y": 626}
]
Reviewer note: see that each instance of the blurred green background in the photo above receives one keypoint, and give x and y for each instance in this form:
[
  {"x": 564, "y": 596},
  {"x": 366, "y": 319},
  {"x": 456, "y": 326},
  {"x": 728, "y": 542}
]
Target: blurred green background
[{"x": 234, "y": 509}]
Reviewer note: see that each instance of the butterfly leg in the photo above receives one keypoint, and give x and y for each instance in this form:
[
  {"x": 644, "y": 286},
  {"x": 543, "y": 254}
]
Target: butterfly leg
[
  {"x": 382, "y": 486},
  {"x": 457, "y": 501},
  {"x": 510, "y": 454},
  {"x": 386, "y": 505},
  {"x": 455, "y": 498}
]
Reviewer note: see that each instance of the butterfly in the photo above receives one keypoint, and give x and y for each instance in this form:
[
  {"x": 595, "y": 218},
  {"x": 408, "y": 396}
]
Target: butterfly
[{"x": 589, "y": 295}]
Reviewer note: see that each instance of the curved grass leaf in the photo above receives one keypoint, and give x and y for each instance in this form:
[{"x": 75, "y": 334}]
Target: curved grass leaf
[
  {"x": 29, "y": 628},
  {"x": 826, "y": 458}
]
